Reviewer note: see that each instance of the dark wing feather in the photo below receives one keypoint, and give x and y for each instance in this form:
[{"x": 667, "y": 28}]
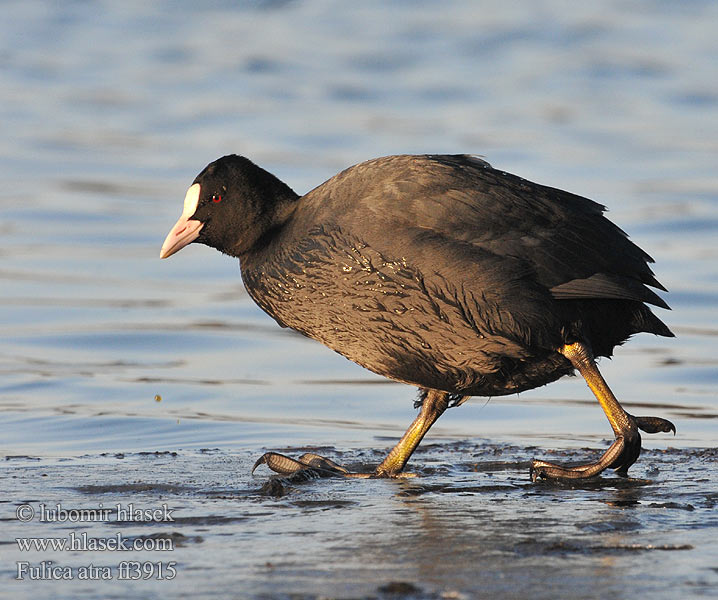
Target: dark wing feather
[
  {"x": 604, "y": 285},
  {"x": 571, "y": 248}
]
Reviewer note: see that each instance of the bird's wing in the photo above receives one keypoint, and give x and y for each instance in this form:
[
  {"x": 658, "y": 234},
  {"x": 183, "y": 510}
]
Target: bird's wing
[{"x": 484, "y": 220}]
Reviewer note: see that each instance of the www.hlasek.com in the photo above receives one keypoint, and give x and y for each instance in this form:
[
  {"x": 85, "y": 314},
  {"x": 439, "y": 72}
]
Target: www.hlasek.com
[{"x": 84, "y": 542}]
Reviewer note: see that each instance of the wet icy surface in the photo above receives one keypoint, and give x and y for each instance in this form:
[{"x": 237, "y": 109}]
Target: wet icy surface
[{"x": 469, "y": 524}]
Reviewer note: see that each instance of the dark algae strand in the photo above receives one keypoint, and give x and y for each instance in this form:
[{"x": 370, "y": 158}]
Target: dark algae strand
[{"x": 441, "y": 272}]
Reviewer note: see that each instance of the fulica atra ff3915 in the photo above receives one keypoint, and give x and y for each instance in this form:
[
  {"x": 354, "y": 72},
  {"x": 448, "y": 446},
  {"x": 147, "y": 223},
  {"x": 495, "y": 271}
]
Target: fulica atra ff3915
[{"x": 441, "y": 272}]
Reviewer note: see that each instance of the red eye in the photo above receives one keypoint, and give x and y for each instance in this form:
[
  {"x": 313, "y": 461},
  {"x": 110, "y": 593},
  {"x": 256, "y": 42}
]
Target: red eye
[{"x": 216, "y": 198}]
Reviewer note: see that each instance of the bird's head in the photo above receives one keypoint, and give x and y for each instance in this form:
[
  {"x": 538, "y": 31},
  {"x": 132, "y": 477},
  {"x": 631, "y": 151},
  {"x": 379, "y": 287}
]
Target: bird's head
[{"x": 230, "y": 205}]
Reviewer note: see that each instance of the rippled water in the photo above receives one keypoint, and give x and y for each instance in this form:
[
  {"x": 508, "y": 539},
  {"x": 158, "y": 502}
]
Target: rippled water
[{"x": 109, "y": 110}]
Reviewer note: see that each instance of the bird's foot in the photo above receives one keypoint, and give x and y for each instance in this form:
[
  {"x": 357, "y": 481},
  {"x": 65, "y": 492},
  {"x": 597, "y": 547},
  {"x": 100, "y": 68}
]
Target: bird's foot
[
  {"x": 655, "y": 425},
  {"x": 308, "y": 463},
  {"x": 624, "y": 451},
  {"x": 313, "y": 465}
]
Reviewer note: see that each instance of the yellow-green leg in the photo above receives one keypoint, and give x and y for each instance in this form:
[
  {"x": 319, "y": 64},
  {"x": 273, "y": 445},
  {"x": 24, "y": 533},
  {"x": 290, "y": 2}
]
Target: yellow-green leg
[
  {"x": 432, "y": 407},
  {"x": 626, "y": 448}
]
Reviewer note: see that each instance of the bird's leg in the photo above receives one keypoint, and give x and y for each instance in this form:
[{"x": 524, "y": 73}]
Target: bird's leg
[
  {"x": 432, "y": 407},
  {"x": 626, "y": 448}
]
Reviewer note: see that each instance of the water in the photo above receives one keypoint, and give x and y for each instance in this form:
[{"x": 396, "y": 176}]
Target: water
[{"x": 109, "y": 111}]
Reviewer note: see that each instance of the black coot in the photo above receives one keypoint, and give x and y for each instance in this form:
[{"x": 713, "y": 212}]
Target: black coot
[{"x": 441, "y": 272}]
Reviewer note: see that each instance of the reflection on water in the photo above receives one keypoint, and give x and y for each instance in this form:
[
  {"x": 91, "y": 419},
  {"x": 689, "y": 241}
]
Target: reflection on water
[{"x": 109, "y": 111}]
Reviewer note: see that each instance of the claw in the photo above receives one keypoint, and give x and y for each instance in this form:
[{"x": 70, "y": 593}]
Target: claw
[
  {"x": 280, "y": 463},
  {"x": 321, "y": 463},
  {"x": 620, "y": 456},
  {"x": 655, "y": 425},
  {"x": 308, "y": 462}
]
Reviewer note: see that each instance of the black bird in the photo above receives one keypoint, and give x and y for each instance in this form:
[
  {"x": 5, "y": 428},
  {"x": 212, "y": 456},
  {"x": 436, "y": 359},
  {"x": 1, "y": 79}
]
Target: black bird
[{"x": 441, "y": 272}]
